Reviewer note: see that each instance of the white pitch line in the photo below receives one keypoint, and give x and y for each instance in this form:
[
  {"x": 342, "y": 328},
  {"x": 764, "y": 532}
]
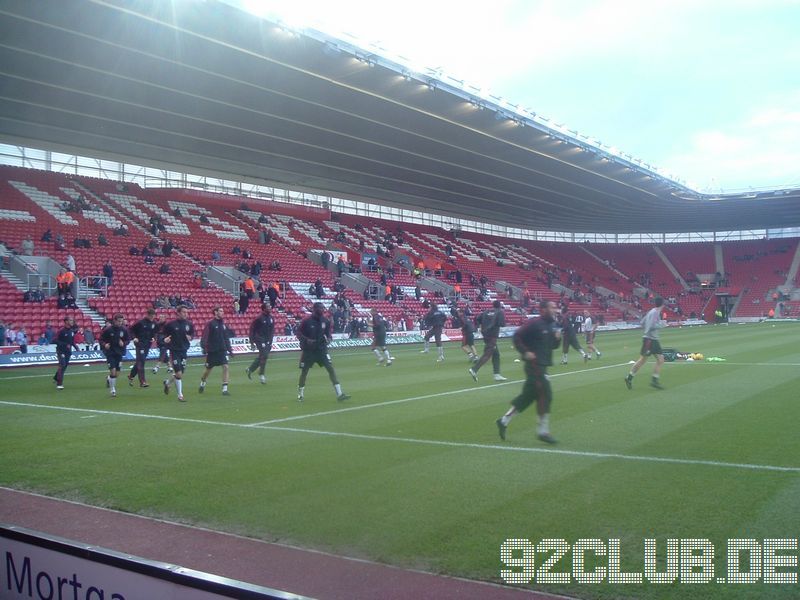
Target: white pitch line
[
  {"x": 75, "y": 370},
  {"x": 115, "y": 413},
  {"x": 425, "y": 397},
  {"x": 580, "y": 453},
  {"x": 420, "y": 441}
]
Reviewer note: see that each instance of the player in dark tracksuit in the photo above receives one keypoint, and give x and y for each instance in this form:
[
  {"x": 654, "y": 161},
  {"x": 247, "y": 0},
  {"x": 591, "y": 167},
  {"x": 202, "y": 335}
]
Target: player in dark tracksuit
[
  {"x": 114, "y": 340},
  {"x": 569, "y": 337},
  {"x": 490, "y": 322},
  {"x": 216, "y": 345},
  {"x": 178, "y": 335},
  {"x": 163, "y": 350},
  {"x": 467, "y": 335},
  {"x": 379, "y": 338},
  {"x": 65, "y": 342},
  {"x": 435, "y": 320},
  {"x": 314, "y": 333},
  {"x": 142, "y": 332},
  {"x": 262, "y": 331},
  {"x": 535, "y": 342}
]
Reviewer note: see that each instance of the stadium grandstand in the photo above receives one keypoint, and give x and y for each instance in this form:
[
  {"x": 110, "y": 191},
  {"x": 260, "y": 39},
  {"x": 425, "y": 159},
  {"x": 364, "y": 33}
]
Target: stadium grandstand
[
  {"x": 303, "y": 138},
  {"x": 208, "y": 155}
]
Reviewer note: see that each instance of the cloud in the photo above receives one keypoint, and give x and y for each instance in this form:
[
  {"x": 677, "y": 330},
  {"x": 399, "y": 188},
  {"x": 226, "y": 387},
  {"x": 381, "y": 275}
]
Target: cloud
[{"x": 759, "y": 151}]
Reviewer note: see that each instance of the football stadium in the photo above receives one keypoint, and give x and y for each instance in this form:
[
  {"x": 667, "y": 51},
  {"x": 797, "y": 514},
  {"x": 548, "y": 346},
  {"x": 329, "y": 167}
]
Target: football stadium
[{"x": 513, "y": 381}]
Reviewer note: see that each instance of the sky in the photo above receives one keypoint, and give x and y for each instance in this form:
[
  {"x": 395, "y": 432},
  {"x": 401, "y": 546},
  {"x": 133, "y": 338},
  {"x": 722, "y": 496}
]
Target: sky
[{"x": 708, "y": 90}]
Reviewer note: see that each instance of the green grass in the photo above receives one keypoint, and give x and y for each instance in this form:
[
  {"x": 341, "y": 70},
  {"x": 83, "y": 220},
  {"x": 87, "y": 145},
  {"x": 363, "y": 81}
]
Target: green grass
[{"x": 426, "y": 483}]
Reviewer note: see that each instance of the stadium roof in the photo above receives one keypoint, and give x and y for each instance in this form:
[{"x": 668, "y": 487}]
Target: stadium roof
[{"x": 202, "y": 87}]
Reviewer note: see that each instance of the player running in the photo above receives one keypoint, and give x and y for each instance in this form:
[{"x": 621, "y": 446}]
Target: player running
[
  {"x": 490, "y": 322},
  {"x": 590, "y": 329},
  {"x": 467, "y": 336},
  {"x": 535, "y": 342},
  {"x": 216, "y": 345},
  {"x": 163, "y": 352},
  {"x": 379, "y": 338},
  {"x": 569, "y": 337},
  {"x": 262, "y": 332},
  {"x": 65, "y": 342},
  {"x": 178, "y": 335},
  {"x": 314, "y": 334},
  {"x": 435, "y": 320},
  {"x": 651, "y": 345},
  {"x": 143, "y": 332},
  {"x": 114, "y": 341}
]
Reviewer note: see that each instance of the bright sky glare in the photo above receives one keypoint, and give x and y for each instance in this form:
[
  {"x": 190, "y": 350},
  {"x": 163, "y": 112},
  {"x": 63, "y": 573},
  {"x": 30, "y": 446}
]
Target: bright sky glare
[{"x": 706, "y": 89}]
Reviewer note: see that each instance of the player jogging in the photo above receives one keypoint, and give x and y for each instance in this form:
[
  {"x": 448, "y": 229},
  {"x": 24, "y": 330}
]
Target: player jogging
[
  {"x": 163, "y": 352},
  {"x": 114, "y": 341},
  {"x": 216, "y": 345},
  {"x": 65, "y": 342},
  {"x": 490, "y": 322},
  {"x": 178, "y": 336},
  {"x": 143, "y": 332},
  {"x": 651, "y": 345},
  {"x": 314, "y": 334},
  {"x": 262, "y": 332},
  {"x": 467, "y": 336},
  {"x": 379, "y": 338},
  {"x": 435, "y": 320},
  {"x": 535, "y": 342},
  {"x": 590, "y": 329},
  {"x": 569, "y": 337}
]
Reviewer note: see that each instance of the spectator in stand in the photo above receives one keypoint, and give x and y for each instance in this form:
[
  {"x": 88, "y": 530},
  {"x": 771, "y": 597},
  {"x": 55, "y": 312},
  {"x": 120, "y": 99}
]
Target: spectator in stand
[
  {"x": 244, "y": 301},
  {"x": 88, "y": 336},
  {"x": 70, "y": 263},
  {"x": 21, "y": 340},
  {"x": 133, "y": 251},
  {"x": 166, "y": 249},
  {"x": 149, "y": 260},
  {"x": 47, "y": 236},
  {"x": 27, "y": 246},
  {"x": 33, "y": 295},
  {"x": 101, "y": 240},
  {"x": 249, "y": 287},
  {"x": 319, "y": 292},
  {"x": 204, "y": 220},
  {"x": 108, "y": 272},
  {"x": 272, "y": 294},
  {"x": 48, "y": 333},
  {"x": 11, "y": 335},
  {"x": 80, "y": 336},
  {"x": 61, "y": 281},
  {"x": 164, "y": 269},
  {"x": 66, "y": 300},
  {"x": 59, "y": 240},
  {"x": 215, "y": 256}
]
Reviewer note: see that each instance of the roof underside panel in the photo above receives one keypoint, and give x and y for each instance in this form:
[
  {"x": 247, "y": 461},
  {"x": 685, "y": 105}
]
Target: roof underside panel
[{"x": 205, "y": 88}]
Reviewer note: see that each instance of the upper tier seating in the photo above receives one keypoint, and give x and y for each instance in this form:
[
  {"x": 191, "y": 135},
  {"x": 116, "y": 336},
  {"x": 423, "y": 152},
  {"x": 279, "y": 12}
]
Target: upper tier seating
[{"x": 200, "y": 224}]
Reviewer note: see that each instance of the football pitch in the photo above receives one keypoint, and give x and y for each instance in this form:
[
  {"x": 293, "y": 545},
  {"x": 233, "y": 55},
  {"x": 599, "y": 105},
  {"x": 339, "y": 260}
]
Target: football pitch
[{"x": 411, "y": 471}]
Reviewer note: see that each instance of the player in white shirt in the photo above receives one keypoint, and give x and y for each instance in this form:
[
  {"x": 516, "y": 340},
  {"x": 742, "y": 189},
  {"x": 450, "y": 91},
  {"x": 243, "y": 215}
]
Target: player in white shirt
[
  {"x": 590, "y": 328},
  {"x": 651, "y": 344}
]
